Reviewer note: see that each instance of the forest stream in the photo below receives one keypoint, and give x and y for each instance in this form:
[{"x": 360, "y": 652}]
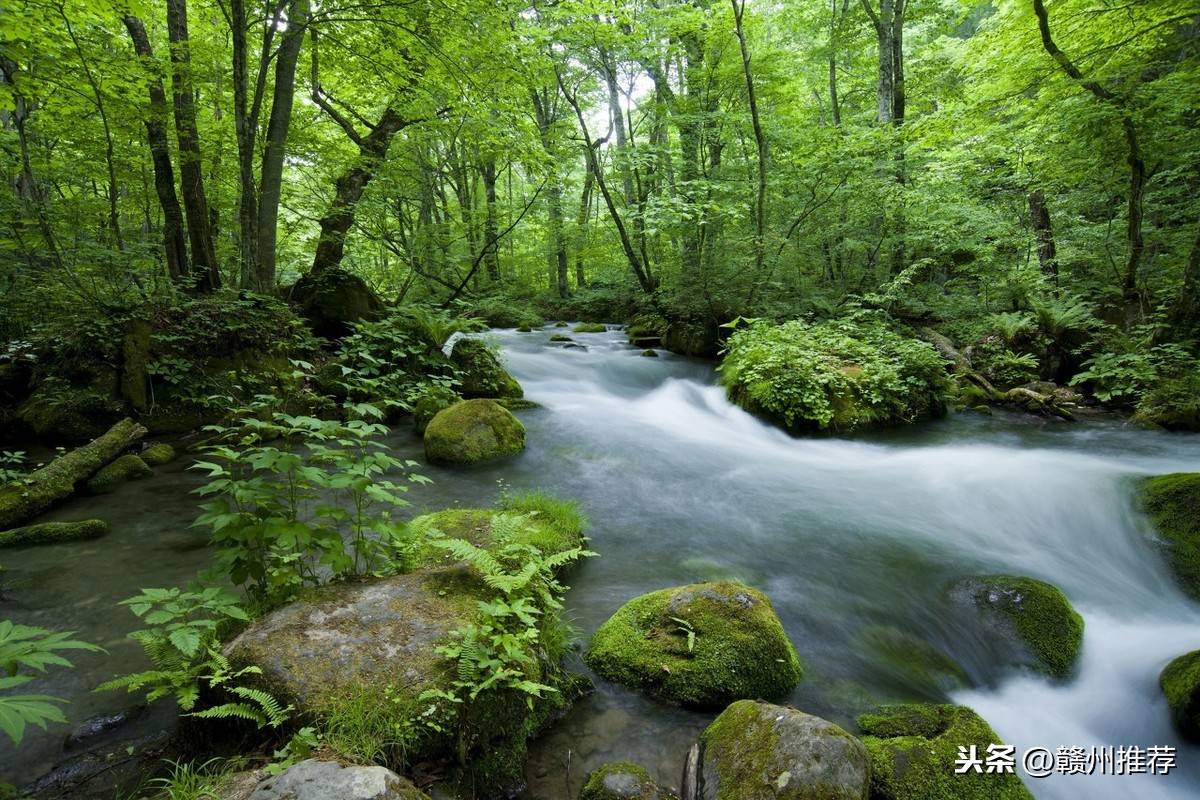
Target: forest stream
[{"x": 848, "y": 537}]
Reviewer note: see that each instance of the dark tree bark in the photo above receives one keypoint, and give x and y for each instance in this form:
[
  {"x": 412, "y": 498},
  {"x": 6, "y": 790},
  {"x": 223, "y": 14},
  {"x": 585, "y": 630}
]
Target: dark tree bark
[
  {"x": 760, "y": 140},
  {"x": 1184, "y": 321},
  {"x": 546, "y": 115},
  {"x": 271, "y": 178},
  {"x": 688, "y": 123},
  {"x": 491, "y": 260},
  {"x": 1043, "y": 233},
  {"x": 585, "y": 205},
  {"x": 195, "y": 204},
  {"x": 174, "y": 239},
  {"x": 1137, "y": 165}
]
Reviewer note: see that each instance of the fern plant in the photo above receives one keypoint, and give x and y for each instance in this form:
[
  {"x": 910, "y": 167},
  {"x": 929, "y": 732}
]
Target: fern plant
[{"x": 24, "y": 648}]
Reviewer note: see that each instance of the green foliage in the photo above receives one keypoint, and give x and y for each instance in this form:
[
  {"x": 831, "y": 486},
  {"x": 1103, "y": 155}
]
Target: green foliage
[
  {"x": 192, "y": 781},
  {"x": 12, "y": 465},
  {"x": 399, "y": 357},
  {"x": 24, "y": 649},
  {"x": 296, "y": 500},
  {"x": 839, "y": 375}
]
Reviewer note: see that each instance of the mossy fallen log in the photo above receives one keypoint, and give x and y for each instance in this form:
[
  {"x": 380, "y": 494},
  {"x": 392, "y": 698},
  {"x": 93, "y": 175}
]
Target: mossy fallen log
[{"x": 23, "y": 500}]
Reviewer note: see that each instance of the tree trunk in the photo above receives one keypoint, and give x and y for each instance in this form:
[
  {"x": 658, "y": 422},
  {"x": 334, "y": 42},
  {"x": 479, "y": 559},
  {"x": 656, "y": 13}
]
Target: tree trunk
[
  {"x": 1043, "y": 233},
  {"x": 195, "y": 204},
  {"x": 585, "y": 205},
  {"x": 271, "y": 179},
  {"x": 1185, "y": 316},
  {"x": 491, "y": 260},
  {"x": 760, "y": 140},
  {"x": 688, "y": 122},
  {"x": 555, "y": 244},
  {"x": 174, "y": 240}
]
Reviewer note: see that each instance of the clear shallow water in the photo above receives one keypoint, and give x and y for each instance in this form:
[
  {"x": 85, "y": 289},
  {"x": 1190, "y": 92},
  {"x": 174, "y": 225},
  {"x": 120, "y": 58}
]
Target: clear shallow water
[{"x": 845, "y": 536}]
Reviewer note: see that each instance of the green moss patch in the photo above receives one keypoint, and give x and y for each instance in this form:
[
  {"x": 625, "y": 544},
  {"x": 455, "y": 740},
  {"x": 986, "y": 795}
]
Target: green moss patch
[
  {"x": 480, "y": 373},
  {"x": 1173, "y": 505},
  {"x": 622, "y": 781},
  {"x": 589, "y": 327},
  {"x": 53, "y": 532},
  {"x": 126, "y": 468},
  {"x": 553, "y": 525},
  {"x": 473, "y": 430},
  {"x": 1180, "y": 682},
  {"x": 913, "y": 750},
  {"x": 157, "y": 454},
  {"x": 913, "y": 661},
  {"x": 702, "y": 645},
  {"x": 1038, "y": 615}
]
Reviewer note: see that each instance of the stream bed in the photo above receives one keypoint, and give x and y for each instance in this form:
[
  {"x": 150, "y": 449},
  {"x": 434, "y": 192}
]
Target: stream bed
[{"x": 852, "y": 539}]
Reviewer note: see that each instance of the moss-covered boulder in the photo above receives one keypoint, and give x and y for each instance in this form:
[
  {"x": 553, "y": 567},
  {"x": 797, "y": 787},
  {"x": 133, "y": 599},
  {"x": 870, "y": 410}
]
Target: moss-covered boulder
[
  {"x": 373, "y": 647},
  {"x": 692, "y": 338},
  {"x": 913, "y": 750},
  {"x": 59, "y": 411},
  {"x": 473, "y": 430},
  {"x": 1173, "y": 504},
  {"x": 837, "y": 376},
  {"x": 1033, "y": 613},
  {"x": 551, "y": 525},
  {"x": 126, "y": 468},
  {"x": 646, "y": 330},
  {"x": 623, "y": 780},
  {"x": 333, "y": 300},
  {"x": 480, "y": 373},
  {"x": 650, "y": 353},
  {"x": 590, "y": 327},
  {"x": 560, "y": 337},
  {"x": 1180, "y": 682},
  {"x": 432, "y": 401},
  {"x": 702, "y": 645},
  {"x": 758, "y": 751},
  {"x": 53, "y": 532},
  {"x": 158, "y": 453}
]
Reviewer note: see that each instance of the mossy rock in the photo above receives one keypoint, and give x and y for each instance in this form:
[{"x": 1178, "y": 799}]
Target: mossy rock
[
  {"x": 524, "y": 329},
  {"x": 912, "y": 662},
  {"x": 647, "y": 329},
  {"x": 623, "y": 780},
  {"x": 691, "y": 338},
  {"x": 158, "y": 453},
  {"x": 590, "y": 327},
  {"x": 475, "y": 525},
  {"x": 738, "y": 648},
  {"x": 61, "y": 412},
  {"x": 560, "y": 324},
  {"x": 1180, "y": 682},
  {"x": 913, "y": 750},
  {"x": 561, "y": 337},
  {"x": 319, "y": 779},
  {"x": 53, "y": 532},
  {"x": 1173, "y": 504},
  {"x": 759, "y": 751},
  {"x": 379, "y": 640},
  {"x": 1036, "y": 613},
  {"x": 126, "y": 468},
  {"x": 480, "y": 373},
  {"x": 650, "y": 353},
  {"x": 471, "y": 431},
  {"x": 429, "y": 404},
  {"x": 333, "y": 300}
]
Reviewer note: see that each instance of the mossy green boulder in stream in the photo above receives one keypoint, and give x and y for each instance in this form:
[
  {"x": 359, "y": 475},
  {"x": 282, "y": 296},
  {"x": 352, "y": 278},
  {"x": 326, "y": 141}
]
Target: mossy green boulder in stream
[
  {"x": 53, "y": 532},
  {"x": 839, "y": 375},
  {"x": 126, "y": 468},
  {"x": 1180, "y": 682},
  {"x": 758, "y": 751},
  {"x": 590, "y": 327},
  {"x": 623, "y": 781},
  {"x": 158, "y": 453},
  {"x": 480, "y": 373},
  {"x": 473, "y": 430},
  {"x": 551, "y": 525},
  {"x": 914, "y": 749},
  {"x": 1034, "y": 613},
  {"x": 1173, "y": 505},
  {"x": 703, "y": 645}
]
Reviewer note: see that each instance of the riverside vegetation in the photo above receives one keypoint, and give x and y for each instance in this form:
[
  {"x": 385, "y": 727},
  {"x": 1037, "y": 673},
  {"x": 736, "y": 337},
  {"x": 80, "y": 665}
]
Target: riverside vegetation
[{"x": 871, "y": 215}]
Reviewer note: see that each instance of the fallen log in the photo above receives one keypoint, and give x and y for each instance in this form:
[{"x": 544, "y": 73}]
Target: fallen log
[{"x": 24, "y": 499}]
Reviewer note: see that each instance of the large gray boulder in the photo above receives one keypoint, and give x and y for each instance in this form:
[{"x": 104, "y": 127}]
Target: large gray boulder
[
  {"x": 758, "y": 751},
  {"x": 328, "y": 780}
]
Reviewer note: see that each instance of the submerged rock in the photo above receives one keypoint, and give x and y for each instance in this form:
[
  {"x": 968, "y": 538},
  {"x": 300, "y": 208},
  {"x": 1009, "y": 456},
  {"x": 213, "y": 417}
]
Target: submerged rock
[
  {"x": 119, "y": 769},
  {"x": 650, "y": 353},
  {"x": 1173, "y": 504},
  {"x": 126, "y": 468},
  {"x": 702, "y": 645},
  {"x": 1035, "y": 613},
  {"x": 914, "y": 748},
  {"x": 473, "y": 430},
  {"x": 53, "y": 532},
  {"x": 315, "y": 779},
  {"x": 1180, "y": 682},
  {"x": 158, "y": 453},
  {"x": 92, "y": 728},
  {"x": 623, "y": 781},
  {"x": 759, "y": 751},
  {"x": 480, "y": 372},
  {"x": 913, "y": 662},
  {"x": 560, "y": 337}
]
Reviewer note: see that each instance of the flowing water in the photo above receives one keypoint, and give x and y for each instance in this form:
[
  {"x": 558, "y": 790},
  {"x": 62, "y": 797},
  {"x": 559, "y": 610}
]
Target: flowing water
[{"x": 854, "y": 541}]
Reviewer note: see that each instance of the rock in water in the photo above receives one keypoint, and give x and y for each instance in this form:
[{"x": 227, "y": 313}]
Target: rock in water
[
  {"x": 158, "y": 453},
  {"x": 480, "y": 373},
  {"x": 473, "y": 430},
  {"x": 328, "y": 780},
  {"x": 53, "y": 532},
  {"x": 623, "y": 781},
  {"x": 1173, "y": 505},
  {"x": 1035, "y": 613},
  {"x": 759, "y": 751},
  {"x": 1180, "y": 682},
  {"x": 914, "y": 749},
  {"x": 126, "y": 468},
  {"x": 703, "y": 645}
]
